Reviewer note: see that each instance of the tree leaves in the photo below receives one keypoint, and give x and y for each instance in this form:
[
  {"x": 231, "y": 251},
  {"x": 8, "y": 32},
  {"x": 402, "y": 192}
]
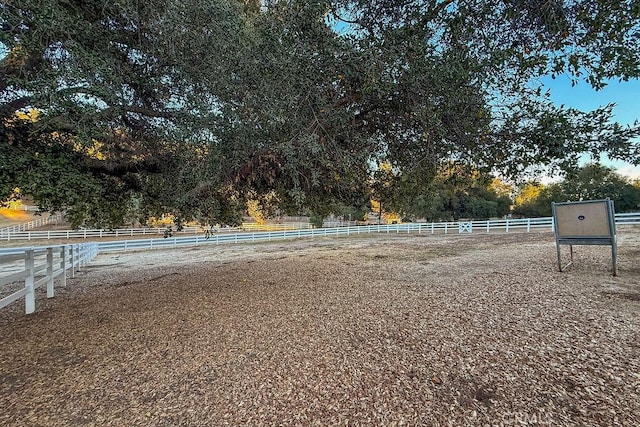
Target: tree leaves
[{"x": 199, "y": 105}]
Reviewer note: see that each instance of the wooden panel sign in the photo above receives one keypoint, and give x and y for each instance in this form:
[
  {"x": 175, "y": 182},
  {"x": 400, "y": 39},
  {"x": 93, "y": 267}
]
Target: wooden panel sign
[
  {"x": 583, "y": 219},
  {"x": 590, "y": 222}
]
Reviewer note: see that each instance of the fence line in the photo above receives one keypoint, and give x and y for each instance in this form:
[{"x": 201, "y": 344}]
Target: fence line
[
  {"x": 23, "y": 232},
  {"x": 91, "y": 233},
  {"x": 26, "y": 271},
  {"x": 506, "y": 226},
  {"x": 18, "y": 228},
  {"x": 12, "y": 233},
  {"x": 21, "y": 207},
  {"x": 502, "y": 225},
  {"x": 35, "y": 266}
]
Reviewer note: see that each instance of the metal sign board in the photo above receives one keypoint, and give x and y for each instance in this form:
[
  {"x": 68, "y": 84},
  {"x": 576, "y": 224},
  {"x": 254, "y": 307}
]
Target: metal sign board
[{"x": 590, "y": 222}]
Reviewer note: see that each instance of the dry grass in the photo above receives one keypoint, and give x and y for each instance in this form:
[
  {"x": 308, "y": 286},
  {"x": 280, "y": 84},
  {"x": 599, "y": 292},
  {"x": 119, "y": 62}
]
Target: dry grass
[
  {"x": 9, "y": 217},
  {"x": 385, "y": 330}
]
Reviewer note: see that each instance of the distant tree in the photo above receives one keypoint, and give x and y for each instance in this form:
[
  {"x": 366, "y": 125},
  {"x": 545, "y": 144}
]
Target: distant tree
[
  {"x": 384, "y": 188},
  {"x": 629, "y": 199},
  {"x": 458, "y": 191},
  {"x": 534, "y": 199},
  {"x": 590, "y": 182},
  {"x": 594, "y": 181}
]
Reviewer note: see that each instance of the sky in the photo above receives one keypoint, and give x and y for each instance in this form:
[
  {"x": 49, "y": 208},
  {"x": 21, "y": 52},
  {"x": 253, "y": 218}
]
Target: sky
[{"x": 625, "y": 96}]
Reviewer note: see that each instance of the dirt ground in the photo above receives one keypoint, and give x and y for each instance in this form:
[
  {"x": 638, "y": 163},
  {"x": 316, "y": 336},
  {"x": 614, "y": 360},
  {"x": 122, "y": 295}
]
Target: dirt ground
[{"x": 379, "y": 331}]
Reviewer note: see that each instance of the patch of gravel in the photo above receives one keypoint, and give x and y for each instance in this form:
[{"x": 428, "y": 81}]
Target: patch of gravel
[{"x": 381, "y": 330}]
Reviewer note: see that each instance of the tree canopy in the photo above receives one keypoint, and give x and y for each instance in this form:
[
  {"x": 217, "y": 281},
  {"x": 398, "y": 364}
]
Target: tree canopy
[
  {"x": 195, "y": 106},
  {"x": 590, "y": 182}
]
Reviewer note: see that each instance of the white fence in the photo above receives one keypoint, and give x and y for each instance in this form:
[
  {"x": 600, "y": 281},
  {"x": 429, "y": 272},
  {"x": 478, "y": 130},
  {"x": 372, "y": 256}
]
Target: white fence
[
  {"x": 27, "y": 270},
  {"x": 492, "y": 226},
  {"x": 36, "y": 266},
  {"x": 24, "y": 233},
  {"x": 89, "y": 233},
  {"x": 14, "y": 229},
  {"x": 21, "y": 207}
]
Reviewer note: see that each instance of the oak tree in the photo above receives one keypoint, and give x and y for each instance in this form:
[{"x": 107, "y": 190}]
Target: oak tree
[{"x": 195, "y": 106}]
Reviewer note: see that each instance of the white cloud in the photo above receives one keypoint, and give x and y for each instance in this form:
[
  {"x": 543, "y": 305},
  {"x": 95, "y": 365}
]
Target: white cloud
[{"x": 632, "y": 172}]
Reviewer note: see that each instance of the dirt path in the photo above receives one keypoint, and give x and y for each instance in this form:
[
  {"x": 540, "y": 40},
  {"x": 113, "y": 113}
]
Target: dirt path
[{"x": 379, "y": 330}]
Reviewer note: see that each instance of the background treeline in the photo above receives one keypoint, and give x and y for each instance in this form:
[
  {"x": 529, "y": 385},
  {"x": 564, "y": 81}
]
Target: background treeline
[
  {"x": 590, "y": 182},
  {"x": 463, "y": 193}
]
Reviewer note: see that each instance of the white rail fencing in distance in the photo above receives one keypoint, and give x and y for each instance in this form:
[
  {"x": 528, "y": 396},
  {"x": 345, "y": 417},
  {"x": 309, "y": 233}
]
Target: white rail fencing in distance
[
  {"x": 85, "y": 233},
  {"x": 36, "y": 266},
  {"x": 492, "y": 226},
  {"x": 19, "y": 228},
  {"x": 26, "y": 234},
  {"x": 22, "y": 233}
]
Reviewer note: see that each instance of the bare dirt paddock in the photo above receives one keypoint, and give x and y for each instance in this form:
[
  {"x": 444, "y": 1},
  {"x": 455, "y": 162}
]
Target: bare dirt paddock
[{"x": 380, "y": 331}]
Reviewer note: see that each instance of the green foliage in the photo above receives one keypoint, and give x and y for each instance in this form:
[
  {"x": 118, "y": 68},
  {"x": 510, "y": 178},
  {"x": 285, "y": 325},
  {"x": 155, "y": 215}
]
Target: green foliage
[
  {"x": 200, "y": 104},
  {"x": 590, "y": 182},
  {"x": 54, "y": 174},
  {"x": 316, "y": 219},
  {"x": 457, "y": 192},
  {"x": 540, "y": 204},
  {"x": 594, "y": 181}
]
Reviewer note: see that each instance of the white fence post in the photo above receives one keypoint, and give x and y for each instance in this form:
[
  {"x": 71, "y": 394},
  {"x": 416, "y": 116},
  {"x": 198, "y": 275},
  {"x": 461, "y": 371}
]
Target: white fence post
[
  {"x": 63, "y": 264},
  {"x": 30, "y": 296},
  {"x": 50, "y": 288},
  {"x": 73, "y": 261},
  {"x": 82, "y": 249}
]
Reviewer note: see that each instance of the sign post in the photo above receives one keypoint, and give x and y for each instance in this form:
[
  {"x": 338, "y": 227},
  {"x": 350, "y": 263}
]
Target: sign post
[{"x": 590, "y": 222}]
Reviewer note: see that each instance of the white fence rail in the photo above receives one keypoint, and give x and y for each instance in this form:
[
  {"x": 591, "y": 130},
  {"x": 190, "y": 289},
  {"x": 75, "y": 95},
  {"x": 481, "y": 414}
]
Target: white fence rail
[
  {"x": 492, "y": 226},
  {"x": 89, "y": 233},
  {"x": 37, "y": 266},
  {"x": 21, "y": 233},
  {"x": 26, "y": 234},
  {"x": 27, "y": 270},
  {"x": 14, "y": 229}
]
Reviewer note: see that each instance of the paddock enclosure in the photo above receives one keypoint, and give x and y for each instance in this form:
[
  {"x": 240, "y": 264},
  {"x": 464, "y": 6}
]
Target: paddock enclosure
[{"x": 373, "y": 330}]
